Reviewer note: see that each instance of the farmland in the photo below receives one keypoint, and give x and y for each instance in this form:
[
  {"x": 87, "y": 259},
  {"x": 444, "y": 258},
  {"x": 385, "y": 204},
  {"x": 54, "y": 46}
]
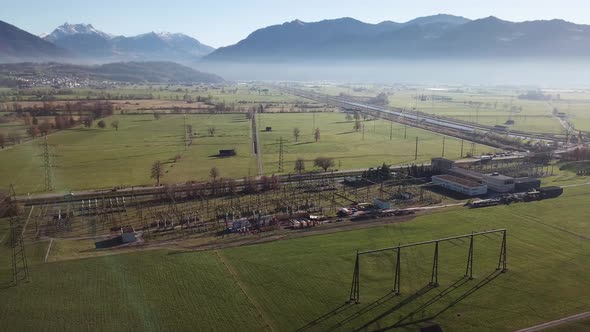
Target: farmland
[
  {"x": 489, "y": 106},
  {"x": 87, "y": 158},
  {"x": 303, "y": 283}
]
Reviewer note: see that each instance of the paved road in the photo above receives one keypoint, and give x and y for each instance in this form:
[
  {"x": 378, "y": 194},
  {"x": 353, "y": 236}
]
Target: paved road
[{"x": 558, "y": 322}]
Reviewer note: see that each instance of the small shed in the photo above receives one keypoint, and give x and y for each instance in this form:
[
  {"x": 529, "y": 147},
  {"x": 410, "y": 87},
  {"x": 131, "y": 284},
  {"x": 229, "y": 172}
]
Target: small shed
[
  {"x": 227, "y": 153},
  {"x": 381, "y": 204},
  {"x": 128, "y": 234}
]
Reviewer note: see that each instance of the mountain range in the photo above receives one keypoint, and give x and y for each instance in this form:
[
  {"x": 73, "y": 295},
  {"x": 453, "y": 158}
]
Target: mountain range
[
  {"x": 426, "y": 37},
  {"x": 430, "y": 37},
  {"x": 84, "y": 43}
]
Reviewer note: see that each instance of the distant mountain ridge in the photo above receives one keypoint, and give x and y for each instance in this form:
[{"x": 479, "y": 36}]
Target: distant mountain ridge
[
  {"x": 425, "y": 37},
  {"x": 125, "y": 72},
  {"x": 86, "y": 41},
  {"x": 17, "y": 44}
]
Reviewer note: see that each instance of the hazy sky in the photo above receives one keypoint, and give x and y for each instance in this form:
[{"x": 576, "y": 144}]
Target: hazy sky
[{"x": 225, "y": 22}]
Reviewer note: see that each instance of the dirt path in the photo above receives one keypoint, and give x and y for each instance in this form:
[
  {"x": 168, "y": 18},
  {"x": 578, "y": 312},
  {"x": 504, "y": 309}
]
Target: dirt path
[
  {"x": 48, "y": 249},
  {"x": 235, "y": 277},
  {"x": 557, "y": 322},
  {"x": 27, "y": 222}
]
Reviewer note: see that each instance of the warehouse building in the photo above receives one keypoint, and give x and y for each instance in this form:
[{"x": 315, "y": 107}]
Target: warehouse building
[
  {"x": 498, "y": 182},
  {"x": 464, "y": 186}
]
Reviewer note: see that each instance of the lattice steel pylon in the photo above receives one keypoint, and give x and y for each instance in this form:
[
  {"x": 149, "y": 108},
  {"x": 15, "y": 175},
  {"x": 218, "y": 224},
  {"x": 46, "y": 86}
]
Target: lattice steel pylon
[
  {"x": 47, "y": 166},
  {"x": 20, "y": 268}
]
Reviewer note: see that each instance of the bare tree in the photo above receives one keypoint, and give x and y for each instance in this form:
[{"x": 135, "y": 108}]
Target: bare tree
[
  {"x": 211, "y": 131},
  {"x": 14, "y": 137},
  {"x": 157, "y": 171},
  {"x": 296, "y": 133},
  {"x": 299, "y": 165},
  {"x": 214, "y": 173},
  {"x": 231, "y": 186},
  {"x": 348, "y": 117},
  {"x": 45, "y": 127},
  {"x": 323, "y": 163},
  {"x": 33, "y": 131},
  {"x": 357, "y": 125},
  {"x": 316, "y": 135},
  {"x": 157, "y": 115},
  {"x": 115, "y": 124}
]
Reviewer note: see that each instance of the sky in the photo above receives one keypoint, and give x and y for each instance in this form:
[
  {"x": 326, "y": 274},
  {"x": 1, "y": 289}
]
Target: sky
[{"x": 225, "y": 22}]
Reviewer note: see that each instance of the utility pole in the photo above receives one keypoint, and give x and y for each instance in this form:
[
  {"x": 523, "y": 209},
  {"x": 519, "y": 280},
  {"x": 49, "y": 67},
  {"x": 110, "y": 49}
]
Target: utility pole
[
  {"x": 461, "y": 148},
  {"x": 313, "y": 127},
  {"x": 363, "y": 131},
  {"x": 185, "y": 133},
  {"x": 47, "y": 166},
  {"x": 391, "y": 131},
  {"x": 281, "y": 155},
  {"x": 416, "y": 153},
  {"x": 405, "y": 131}
]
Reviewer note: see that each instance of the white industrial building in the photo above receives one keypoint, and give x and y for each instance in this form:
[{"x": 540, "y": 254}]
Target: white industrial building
[
  {"x": 464, "y": 186},
  {"x": 498, "y": 182}
]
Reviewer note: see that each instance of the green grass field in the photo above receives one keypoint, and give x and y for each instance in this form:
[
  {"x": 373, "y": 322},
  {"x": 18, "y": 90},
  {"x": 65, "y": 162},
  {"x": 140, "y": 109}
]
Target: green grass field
[
  {"x": 301, "y": 284},
  {"x": 102, "y": 158},
  {"x": 350, "y": 149}
]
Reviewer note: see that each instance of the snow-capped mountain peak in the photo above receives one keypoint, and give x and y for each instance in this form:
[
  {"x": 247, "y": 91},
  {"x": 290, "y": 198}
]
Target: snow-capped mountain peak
[{"x": 67, "y": 29}]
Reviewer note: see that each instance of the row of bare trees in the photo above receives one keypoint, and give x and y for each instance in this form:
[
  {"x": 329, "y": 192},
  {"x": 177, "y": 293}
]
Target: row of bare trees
[{"x": 322, "y": 162}]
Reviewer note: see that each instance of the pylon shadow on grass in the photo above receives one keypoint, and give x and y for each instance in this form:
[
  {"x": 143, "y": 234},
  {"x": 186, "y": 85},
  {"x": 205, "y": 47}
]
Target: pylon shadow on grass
[
  {"x": 7, "y": 285},
  {"x": 406, "y": 320},
  {"x": 367, "y": 309},
  {"x": 324, "y": 317},
  {"x": 397, "y": 307}
]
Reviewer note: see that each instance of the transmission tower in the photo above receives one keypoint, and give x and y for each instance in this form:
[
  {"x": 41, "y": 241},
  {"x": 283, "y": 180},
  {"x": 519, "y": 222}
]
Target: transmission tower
[
  {"x": 47, "y": 166},
  {"x": 281, "y": 155},
  {"x": 20, "y": 268}
]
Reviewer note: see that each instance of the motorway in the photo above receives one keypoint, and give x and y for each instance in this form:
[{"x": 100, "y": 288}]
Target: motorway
[{"x": 414, "y": 116}]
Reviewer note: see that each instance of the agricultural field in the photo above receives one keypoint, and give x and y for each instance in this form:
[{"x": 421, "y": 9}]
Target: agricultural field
[
  {"x": 349, "y": 148},
  {"x": 101, "y": 158},
  {"x": 490, "y": 106},
  {"x": 577, "y": 106},
  {"x": 302, "y": 284}
]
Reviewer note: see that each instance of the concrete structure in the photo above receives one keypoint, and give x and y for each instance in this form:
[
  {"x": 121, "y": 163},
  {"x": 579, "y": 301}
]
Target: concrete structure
[
  {"x": 441, "y": 165},
  {"x": 526, "y": 184},
  {"x": 498, "y": 182},
  {"x": 464, "y": 186}
]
